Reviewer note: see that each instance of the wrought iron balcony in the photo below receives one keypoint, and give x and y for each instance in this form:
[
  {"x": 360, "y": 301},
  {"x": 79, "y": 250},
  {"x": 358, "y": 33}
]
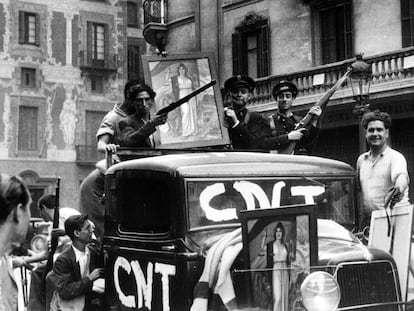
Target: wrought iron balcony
[
  {"x": 392, "y": 73},
  {"x": 109, "y": 65},
  {"x": 155, "y": 20}
]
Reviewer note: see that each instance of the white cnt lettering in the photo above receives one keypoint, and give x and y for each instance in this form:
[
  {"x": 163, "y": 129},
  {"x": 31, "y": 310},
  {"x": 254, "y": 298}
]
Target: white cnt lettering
[{"x": 144, "y": 286}]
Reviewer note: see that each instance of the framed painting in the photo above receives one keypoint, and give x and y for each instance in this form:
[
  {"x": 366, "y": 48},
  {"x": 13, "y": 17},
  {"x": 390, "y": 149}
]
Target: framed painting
[
  {"x": 280, "y": 247},
  {"x": 392, "y": 233},
  {"x": 197, "y": 122}
]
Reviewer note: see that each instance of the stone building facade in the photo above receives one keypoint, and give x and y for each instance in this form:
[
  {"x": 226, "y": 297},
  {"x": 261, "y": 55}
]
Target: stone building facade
[{"x": 63, "y": 65}]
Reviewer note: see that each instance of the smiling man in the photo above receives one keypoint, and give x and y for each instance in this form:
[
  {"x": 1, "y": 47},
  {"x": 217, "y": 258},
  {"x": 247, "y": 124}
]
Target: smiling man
[
  {"x": 381, "y": 169},
  {"x": 284, "y": 121},
  {"x": 246, "y": 128}
]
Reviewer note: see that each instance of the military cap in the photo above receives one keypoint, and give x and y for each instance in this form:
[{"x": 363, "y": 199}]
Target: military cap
[
  {"x": 284, "y": 85},
  {"x": 239, "y": 81}
]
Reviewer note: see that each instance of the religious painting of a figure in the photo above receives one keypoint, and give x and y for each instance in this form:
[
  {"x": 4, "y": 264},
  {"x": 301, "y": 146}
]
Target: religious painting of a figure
[
  {"x": 197, "y": 122},
  {"x": 279, "y": 256}
]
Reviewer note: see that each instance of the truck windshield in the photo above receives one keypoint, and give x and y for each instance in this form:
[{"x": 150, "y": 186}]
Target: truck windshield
[{"x": 216, "y": 201}]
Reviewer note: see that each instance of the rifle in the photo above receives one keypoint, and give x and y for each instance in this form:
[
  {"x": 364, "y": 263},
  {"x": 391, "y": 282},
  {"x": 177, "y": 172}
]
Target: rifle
[
  {"x": 185, "y": 99},
  {"x": 55, "y": 239},
  {"x": 322, "y": 103}
]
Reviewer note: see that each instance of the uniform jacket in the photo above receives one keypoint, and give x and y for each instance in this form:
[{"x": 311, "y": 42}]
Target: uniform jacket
[
  {"x": 251, "y": 130},
  {"x": 282, "y": 127}
]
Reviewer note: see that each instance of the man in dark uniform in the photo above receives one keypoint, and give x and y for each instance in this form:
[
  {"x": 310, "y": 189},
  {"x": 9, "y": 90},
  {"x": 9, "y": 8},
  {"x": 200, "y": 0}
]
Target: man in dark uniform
[
  {"x": 283, "y": 122},
  {"x": 246, "y": 128}
]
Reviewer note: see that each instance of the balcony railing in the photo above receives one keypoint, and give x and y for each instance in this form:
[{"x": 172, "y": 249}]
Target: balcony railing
[
  {"x": 108, "y": 65},
  {"x": 312, "y": 83}
]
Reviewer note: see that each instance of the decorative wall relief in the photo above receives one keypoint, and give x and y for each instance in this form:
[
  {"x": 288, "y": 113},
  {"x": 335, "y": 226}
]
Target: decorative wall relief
[{"x": 68, "y": 118}]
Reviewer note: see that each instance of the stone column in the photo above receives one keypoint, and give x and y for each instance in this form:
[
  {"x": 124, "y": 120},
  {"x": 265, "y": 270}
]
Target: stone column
[{"x": 69, "y": 17}]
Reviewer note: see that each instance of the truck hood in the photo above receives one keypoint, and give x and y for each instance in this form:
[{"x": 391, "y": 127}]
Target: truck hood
[{"x": 336, "y": 244}]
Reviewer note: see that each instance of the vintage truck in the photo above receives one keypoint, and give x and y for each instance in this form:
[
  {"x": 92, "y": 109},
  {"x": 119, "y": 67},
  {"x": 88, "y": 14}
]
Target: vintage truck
[{"x": 164, "y": 214}]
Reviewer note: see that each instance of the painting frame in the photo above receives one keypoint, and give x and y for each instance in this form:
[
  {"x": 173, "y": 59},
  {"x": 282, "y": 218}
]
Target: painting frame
[
  {"x": 398, "y": 243},
  {"x": 296, "y": 226},
  {"x": 197, "y": 123}
]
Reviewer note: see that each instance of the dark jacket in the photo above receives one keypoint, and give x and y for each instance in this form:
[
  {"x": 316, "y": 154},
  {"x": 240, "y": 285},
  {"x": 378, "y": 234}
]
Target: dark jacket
[
  {"x": 70, "y": 284},
  {"x": 251, "y": 130},
  {"x": 282, "y": 127},
  {"x": 135, "y": 132}
]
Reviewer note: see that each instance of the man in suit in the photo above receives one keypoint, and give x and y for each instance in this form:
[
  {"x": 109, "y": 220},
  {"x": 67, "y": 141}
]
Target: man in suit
[
  {"x": 76, "y": 271},
  {"x": 246, "y": 128}
]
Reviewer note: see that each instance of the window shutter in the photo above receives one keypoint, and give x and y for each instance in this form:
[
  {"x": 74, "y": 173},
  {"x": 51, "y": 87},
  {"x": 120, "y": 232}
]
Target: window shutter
[
  {"x": 406, "y": 23},
  {"x": 263, "y": 52},
  {"x": 21, "y": 27},
  {"x": 108, "y": 62},
  {"x": 237, "y": 49},
  {"x": 89, "y": 43},
  {"x": 37, "y": 30}
]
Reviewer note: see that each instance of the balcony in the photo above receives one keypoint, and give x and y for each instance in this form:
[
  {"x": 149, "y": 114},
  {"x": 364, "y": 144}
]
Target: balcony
[
  {"x": 97, "y": 67},
  {"x": 155, "y": 20},
  {"x": 392, "y": 74}
]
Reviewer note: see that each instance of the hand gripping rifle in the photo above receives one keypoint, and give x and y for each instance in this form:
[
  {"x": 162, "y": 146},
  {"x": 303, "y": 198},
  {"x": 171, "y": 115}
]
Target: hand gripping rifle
[
  {"x": 55, "y": 239},
  {"x": 322, "y": 103},
  {"x": 185, "y": 99}
]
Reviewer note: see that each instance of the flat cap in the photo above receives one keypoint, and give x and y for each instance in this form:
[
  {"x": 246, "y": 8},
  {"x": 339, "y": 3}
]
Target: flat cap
[
  {"x": 284, "y": 85},
  {"x": 239, "y": 81}
]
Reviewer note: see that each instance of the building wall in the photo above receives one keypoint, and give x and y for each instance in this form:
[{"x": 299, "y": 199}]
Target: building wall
[{"x": 63, "y": 90}]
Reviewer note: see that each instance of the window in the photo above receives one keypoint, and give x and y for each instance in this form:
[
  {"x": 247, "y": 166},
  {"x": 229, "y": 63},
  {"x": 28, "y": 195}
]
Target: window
[
  {"x": 28, "y": 123},
  {"x": 407, "y": 23},
  {"x": 140, "y": 206},
  {"x": 28, "y": 77},
  {"x": 28, "y": 28},
  {"x": 96, "y": 43},
  {"x": 251, "y": 47},
  {"x": 335, "y": 28},
  {"x": 97, "y": 84},
  {"x": 132, "y": 14},
  {"x": 134, "y": 64}
]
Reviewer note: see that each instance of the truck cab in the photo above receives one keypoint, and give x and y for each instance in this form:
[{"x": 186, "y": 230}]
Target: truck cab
[{"x": 164, "y": 214}]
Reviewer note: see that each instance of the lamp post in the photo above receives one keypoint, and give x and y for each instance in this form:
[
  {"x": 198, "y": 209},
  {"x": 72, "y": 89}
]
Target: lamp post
[{"x": 360, "y": 83}]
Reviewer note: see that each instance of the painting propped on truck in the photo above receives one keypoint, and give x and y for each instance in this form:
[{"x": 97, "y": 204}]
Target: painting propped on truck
[{"x": 166, "y": 214}]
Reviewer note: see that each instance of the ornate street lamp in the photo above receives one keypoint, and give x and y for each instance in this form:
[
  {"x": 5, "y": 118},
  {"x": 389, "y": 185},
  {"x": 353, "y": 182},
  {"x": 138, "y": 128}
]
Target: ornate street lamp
[{"x": 360, "y": 82}]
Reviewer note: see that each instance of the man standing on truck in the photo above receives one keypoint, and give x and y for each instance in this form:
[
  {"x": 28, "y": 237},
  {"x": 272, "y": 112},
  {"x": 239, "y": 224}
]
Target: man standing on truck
[
  {"x": 246, "y": 128},
  {"x": 283, "y": 122},
  {"x": 137, "y": 130},
  {"x": 92, "y": 187},
  {"x": 382, "y": 171}
]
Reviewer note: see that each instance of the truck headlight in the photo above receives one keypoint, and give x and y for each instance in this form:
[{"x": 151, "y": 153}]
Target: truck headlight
[{"x": 320, "y": 291}]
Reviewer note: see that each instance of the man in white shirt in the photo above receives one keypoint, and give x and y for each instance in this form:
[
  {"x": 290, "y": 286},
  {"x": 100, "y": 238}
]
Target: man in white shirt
[
  {"x": 78, "y": 270},
  {"x": 381, "y": 169}
]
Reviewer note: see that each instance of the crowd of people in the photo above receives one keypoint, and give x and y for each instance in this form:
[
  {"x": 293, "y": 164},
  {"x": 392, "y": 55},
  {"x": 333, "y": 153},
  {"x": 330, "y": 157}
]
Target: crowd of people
[{"x": 75, "y": 280}]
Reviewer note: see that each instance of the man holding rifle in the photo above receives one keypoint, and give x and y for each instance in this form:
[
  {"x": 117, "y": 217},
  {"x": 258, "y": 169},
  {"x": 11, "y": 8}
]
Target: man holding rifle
[
  {"x": 246, "y": 128},
  {"x": 136, "y": 130},
  {"x": 283, "y": 122}
]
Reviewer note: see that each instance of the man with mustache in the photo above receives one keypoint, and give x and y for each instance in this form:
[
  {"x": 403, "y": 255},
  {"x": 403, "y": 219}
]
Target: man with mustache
[
  {"x": 246, "y": 128},
  {"x": 136, "y": 130},
  {"x": 382, "y": 169},
  {"x": 283, "y": 122}
]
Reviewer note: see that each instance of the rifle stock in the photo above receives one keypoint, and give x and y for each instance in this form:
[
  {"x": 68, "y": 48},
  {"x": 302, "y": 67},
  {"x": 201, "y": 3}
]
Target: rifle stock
[
  {"x": 185, "y": 99},
  {"x": 322, "y": 103}
]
